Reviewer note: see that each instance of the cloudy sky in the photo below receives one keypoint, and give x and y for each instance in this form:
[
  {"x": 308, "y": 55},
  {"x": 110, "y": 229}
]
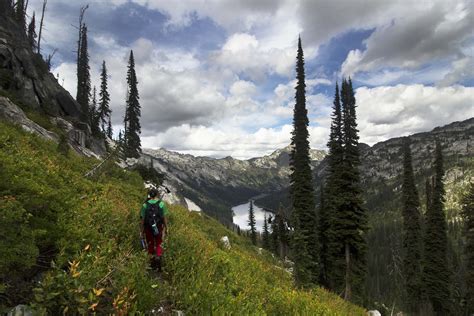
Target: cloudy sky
[{"x": 216, "y": 77}]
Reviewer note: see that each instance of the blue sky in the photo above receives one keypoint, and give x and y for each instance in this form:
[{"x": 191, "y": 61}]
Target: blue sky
[{"x": 216, "y": 78}]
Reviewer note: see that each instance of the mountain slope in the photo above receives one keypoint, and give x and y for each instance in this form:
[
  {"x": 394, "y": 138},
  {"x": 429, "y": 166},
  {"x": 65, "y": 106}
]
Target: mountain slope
[
  {"x": 382, "y": 163},
  {"x": 79, "y": 237},
  {"x": 218, "y": 184}
]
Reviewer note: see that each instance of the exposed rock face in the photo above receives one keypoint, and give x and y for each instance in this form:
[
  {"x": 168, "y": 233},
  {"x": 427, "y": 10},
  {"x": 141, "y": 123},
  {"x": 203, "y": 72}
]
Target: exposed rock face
[
  {"x": 76, "y": 137},
  {"x": 25, "y": 76},
  {"x": 10, "y": 112}
]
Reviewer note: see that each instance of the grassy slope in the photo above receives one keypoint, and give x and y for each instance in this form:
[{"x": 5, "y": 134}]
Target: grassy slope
[{"x": 91, "y": 225}]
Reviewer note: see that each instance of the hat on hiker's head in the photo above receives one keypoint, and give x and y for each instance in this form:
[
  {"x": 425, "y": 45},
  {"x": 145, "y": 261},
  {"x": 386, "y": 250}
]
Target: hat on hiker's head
[{"x": 153, "y": 193}]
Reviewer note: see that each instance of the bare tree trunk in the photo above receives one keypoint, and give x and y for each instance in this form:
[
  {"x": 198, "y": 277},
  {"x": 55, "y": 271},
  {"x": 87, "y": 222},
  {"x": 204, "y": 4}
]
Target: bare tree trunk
[
  {"x": 348, "y": 291},
  {"x": 41, "y": 26}
]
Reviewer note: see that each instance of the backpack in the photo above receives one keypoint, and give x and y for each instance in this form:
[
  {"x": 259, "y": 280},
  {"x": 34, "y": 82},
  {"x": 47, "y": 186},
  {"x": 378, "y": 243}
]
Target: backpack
[{"x": 154, "y": 214}]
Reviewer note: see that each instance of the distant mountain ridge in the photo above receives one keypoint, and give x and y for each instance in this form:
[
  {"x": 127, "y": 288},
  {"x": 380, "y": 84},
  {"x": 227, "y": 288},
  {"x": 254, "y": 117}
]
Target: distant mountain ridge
[{"x": 218, "y": 184}]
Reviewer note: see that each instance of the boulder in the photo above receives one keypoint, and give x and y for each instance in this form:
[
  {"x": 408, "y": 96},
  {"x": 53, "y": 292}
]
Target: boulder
[{"x": 225, "y": 242}]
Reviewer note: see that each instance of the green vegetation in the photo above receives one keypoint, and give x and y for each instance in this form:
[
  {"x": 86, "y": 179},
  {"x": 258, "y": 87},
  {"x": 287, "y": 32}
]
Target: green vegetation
[
  {"x": 132, "y": 142},
  {"x": 80, "y": 238},
  {"x": 304, "y": 240},
  {"x": 207, "y": 279},
  {"x": 412, "y": 234}
]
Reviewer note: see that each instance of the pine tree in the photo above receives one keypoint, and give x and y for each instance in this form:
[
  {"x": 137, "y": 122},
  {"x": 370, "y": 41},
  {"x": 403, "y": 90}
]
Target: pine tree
[
  {"x": 83, "y": 75},
  {"x": 305, "y": 240},
  {"x": 265, "y": 234},
  {"x": 412, "y": 234},
  {"x": 32, "y": 33},
  {"x": 104, "y": 100},
  {"x": 251, "y": 222},
  {"x": 468, "y": 215},
  {"x": 350, "y": 222},
  {"x": 274, "y": 238},
  {"x": 132, "y": 113},
  {"x": 436, "y": 275}
]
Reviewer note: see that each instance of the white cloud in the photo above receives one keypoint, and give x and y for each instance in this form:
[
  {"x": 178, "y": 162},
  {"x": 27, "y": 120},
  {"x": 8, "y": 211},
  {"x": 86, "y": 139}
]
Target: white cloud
[
  {"x": 243, "y": 54},
  {"x": 386, "y": 112},
  {"x": 428, "y": 32}
]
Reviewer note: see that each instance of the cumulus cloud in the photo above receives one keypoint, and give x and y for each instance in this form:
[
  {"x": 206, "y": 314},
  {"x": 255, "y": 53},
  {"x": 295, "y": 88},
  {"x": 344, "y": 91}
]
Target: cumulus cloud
[
  {"x": 385, "y": 112},
  {"x": 430, "y": 32},
  {"x": 243, "y": 54}
]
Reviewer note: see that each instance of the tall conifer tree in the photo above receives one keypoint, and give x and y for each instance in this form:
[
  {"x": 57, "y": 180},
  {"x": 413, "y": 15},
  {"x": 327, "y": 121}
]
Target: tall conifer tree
[
  {"x": 251, "y": 222},
  {"x": 83, "y": 75},
  {"x": 412, "y": 234},
  {"x": 331, "y": 196},
  {"x": 132, "y": 113},
  {"x": 104, "y": 100},
  {"x": 468, "y": 215},
  {"x": 305, "y": 241},
  {"x": 265, "y": 234},
  {"x": 32, "y": 33},
  {"x": 350, "y": 222},
  {"x": 94, "y": 114},
  {"x": 436, "y": 275}
]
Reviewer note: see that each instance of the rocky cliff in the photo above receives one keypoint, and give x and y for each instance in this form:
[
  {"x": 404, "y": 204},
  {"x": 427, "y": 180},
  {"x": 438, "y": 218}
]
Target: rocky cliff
[{"x": 27, "y": 83}]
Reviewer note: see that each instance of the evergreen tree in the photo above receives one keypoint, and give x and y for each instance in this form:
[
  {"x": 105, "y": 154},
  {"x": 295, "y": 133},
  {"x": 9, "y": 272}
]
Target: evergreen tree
[
  {"x": 104, "y": 100},
  {"x": 132, "y": 113},
  {"x": 412, "y": 234},
  {"x": 436, "y": 275},
  {"x": 265, "y": 234},
  {"x": 109, "y": 128},
  {"x": 283, "y": 235},
  {"x": 83, "y": 75},
  {"x": 273, "y": 235},
  {"x": 468, "y": 215},
  {"x": 305, "y": 242},
  {"x": 350, "y": 222},
  {"x": 94, "y": 115},
  {"x": 20, "y": 14},
  {"x": 251, "y": 222},
  {"x": 331, "y": 196},
  {"x": 32, "y": 33}
]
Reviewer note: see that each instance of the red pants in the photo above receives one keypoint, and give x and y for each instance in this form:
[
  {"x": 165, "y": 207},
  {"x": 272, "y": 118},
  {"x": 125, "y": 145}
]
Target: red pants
[{"x": 154, "y": 242}]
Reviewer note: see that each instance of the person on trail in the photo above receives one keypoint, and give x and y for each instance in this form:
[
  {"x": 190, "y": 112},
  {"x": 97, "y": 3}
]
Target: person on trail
[{"x": 153, "y": 224}]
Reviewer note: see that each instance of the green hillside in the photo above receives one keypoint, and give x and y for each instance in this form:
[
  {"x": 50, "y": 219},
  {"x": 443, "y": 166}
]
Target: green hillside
[{"x": 70, "y": 245}]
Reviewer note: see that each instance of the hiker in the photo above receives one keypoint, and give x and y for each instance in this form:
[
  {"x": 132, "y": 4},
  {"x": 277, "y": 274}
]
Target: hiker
[{"x": 153, "y": 224}]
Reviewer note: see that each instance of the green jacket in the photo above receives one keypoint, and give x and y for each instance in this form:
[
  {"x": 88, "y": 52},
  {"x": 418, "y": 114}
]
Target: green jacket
[{"x": 162, "y": 205}]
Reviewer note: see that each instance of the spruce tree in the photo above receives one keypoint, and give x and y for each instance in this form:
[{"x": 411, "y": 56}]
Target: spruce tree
[
  {"x": 32, "y": 33},
  {"x": 305, "y": 241},
  {"x": 331, "y": 196},
  {"x": 350, "y": 222},
  {"x": 265, "y": 234},
  {"x": 468, "y": 216},
  {"x": 83, "y": 75},
  {"x": 109, "y": 128},
  {"x": 251, "y": 223},
  {"x": 132, "y": 113},
  {"x": 94, "y": 115},
  {"x": 104, "y": 100},
  {"x": 436, "y": 275},
  {"x": 412, "y": 234},
  {"x": 274, "y": 238},
  {"x": 283, "y": 235}
]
